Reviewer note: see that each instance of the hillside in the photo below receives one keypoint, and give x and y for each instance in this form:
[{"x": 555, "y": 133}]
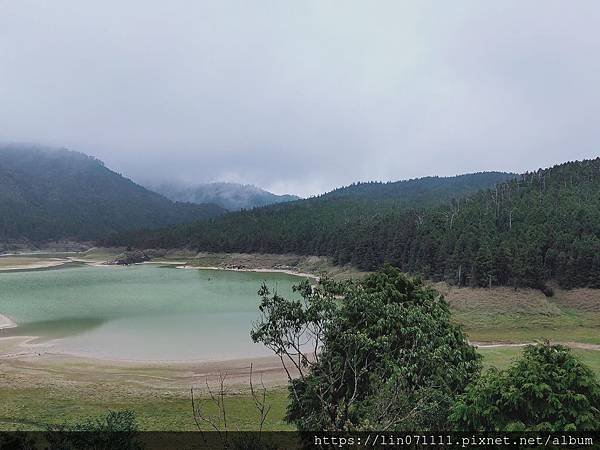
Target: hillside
[
  {"x": 231, "y": 196},
  {"x": 543, "y": 226},
  {"x": 52, "y": 194}
]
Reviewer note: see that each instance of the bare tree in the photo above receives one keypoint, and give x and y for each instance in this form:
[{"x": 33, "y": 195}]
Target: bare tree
[
  {"x": 220, "y": 422},
  {"x": 260, "y": 400},
  {"x": 216, "y": 422}
]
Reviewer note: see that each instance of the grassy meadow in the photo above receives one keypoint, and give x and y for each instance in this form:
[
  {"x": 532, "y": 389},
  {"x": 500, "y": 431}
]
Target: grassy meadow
[{"x": 32, "y": 408}]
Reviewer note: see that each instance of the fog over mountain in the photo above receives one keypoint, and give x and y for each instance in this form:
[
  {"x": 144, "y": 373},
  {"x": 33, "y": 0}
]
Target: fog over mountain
[
  {"x": 231, "y": 196},
  {"x": 303, "y": 97},
  {"x": 48, "y": 194}
]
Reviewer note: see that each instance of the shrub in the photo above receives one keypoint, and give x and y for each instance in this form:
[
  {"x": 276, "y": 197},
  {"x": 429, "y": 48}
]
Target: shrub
[{"x": 548, "y": 388}]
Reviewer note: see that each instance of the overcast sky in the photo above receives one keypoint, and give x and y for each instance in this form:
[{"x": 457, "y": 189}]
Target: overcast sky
[{"x": 303, "y": 96}]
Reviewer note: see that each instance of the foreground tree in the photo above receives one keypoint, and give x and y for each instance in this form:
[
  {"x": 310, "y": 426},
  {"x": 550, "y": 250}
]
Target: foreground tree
[
  {"x": 547, "y": 389},
  {"x": 380, "y": 353}
]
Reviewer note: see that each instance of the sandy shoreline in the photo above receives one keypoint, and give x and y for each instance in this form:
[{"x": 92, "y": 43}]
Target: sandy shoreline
[
  {"x": 17, "y": 354},
  {"x": 35, "y": 265},
  {"x": 40, "y": 365},
  {"x": 233, "y": 269},
  {"x": 12, "y": 262}
]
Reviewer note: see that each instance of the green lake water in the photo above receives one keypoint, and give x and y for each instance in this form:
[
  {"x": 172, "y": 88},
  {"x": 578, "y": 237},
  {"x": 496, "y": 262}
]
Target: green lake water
[{"x": 141, "y": 312}]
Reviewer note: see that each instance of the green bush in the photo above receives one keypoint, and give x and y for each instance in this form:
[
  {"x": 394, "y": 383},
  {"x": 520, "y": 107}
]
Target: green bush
[{"x": 549, "y": 388}]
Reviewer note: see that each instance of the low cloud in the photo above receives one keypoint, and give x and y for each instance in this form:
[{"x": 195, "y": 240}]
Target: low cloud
[{"x": 301, "y": 97}]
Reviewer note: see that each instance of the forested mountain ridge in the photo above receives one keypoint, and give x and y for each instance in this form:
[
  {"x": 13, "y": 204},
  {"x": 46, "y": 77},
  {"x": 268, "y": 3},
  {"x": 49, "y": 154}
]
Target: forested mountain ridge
[
  {"x": 48, "y": 194},
  {"x": 365, "y": 230},
  {"x": 231, "y": 196},
  {"x": 303, "y": 226},
  {"x": 540, "y": 226},
  {"x": 544, "y": 225}
]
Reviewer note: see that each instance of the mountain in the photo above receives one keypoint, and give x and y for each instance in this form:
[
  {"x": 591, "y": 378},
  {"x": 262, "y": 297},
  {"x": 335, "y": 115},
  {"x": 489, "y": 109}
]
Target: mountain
[
  {"x": 537, "y": 227},
  {"x": 324, "y": 225},
  {"x": 231, "y": 196},
  {"x": 48, "y": 194}
]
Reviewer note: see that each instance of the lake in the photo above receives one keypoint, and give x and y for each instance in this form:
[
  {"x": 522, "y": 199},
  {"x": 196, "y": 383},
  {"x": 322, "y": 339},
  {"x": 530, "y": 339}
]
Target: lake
[{"x": 142, "y": 312}]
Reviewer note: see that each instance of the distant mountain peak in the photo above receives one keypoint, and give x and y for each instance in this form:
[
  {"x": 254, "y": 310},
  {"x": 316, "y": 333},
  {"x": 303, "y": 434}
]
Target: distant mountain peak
[{"x": 231, "y": 196}]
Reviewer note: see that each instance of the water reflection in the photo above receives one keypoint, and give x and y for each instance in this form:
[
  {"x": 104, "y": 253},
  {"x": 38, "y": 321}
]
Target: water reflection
[{"x": 47, "y": 330}]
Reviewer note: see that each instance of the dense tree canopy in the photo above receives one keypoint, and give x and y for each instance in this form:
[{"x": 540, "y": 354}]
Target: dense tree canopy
[
  {"x": 525, "y": 231},
  {"x": 386, "y": 356}
]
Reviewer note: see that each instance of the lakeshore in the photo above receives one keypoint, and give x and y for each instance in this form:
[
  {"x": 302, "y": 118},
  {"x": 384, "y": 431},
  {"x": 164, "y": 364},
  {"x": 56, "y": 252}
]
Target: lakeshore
[
  {"x": 33, "y": 367},
  {"x": 302, "y": 266},
  {"x": 500, "y": 322}
]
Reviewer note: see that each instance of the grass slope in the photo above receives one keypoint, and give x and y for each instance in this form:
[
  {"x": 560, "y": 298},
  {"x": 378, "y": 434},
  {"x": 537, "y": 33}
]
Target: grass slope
[{"x": 526, "y": 315}]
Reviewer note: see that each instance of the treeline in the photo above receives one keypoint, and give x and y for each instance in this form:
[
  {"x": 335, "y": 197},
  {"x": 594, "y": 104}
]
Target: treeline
[
  {"x": 539, "y": 226},
  {"x": 422, "y": 192}
]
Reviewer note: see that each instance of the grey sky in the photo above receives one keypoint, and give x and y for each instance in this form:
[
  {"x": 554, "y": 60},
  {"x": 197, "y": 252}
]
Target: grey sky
[{"x": 303, "y": 96}]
